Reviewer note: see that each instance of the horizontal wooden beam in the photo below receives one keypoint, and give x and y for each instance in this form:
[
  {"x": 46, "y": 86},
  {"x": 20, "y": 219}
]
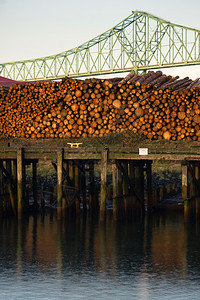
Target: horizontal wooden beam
[{"x": 123, "y": 153}]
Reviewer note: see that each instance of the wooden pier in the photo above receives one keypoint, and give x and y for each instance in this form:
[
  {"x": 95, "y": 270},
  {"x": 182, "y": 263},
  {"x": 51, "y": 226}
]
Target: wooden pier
[{"x": 131, "y": 171}]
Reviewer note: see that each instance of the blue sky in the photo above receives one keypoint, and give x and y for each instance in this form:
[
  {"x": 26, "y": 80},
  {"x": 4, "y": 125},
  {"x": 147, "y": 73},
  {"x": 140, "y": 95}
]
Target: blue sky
[{"x": 36, "y": 28}]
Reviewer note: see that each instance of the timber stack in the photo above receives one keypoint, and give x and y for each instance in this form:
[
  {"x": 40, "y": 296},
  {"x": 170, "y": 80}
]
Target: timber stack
[{"x": 155, "y": 105}]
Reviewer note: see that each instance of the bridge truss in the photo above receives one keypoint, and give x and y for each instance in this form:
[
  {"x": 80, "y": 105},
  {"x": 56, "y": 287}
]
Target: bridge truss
[{"x": 140, "y": 42}]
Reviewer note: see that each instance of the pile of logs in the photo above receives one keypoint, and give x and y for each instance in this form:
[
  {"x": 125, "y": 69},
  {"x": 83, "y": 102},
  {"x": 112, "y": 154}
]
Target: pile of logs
[{"x": 155, "y": 105}]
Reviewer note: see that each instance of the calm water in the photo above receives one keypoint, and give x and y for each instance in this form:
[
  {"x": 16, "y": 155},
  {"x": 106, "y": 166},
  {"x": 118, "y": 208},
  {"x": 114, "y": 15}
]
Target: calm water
[{"x": 43, "y": 258}]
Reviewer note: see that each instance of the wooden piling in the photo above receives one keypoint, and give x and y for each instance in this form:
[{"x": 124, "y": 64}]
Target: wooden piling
[
  {"x": 71, "y": 166},
  {"x": 91, "y": 187},
  {"x": 192, "y": 186},
  {"x": 42, "y": 200},
  {"x": 186, "y": 192},
  {"x": 8, "y": 187},
  {"x": 76, "y": 184},
  {"x": 131, "y": 174},
  {"x": 66, "y": 169},
  {"x": 120, "y": 190},
  {"x": 133, "y": 198},
  {"x": 12, "y": 199},
  {"x": 139, "y": 184},
  {"x": 197, "y": 190},
  {"x": 185, "y": 183},
  {"x": 162, "y": 193},
  {"x": 66, "y": 182},
  {"x": 34, "y": 183},
  {"x": 83, "y": 186},
  {"x": 1, "y": 187},
  {"x": 71, "y": 171},
  {"x": 117, "y": 191},
  {"x": 104, "y": 161},
  {"x": 127, "y": 207},
  {"x": 59, "y": 181},
  {"x": 64, "y": 207},
  {"x": 8, "y": 166},
  {"x": 20, "y": 179},
  {"x": 149, "y": 186},
  {"x": 14, "y": 172}
]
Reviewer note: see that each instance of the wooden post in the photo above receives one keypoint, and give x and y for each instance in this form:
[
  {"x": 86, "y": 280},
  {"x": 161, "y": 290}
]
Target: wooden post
[
  {"x": 76, "y": 183},
  {"x": 72, "y": 208},
  {"x": 120, "y": 190},
  {"x": 118, "y": 208},
  {"x": 42, "y": 200},
  {"x": 8, "y": 166},
  {"x": 192, "y": 190},
  {"x": 197, "y": 189},
  {"x": 14, "y": 172},
  {"x": 91, "y": 187},
  {"x": 71, "y": 171},
  {"x": 25, "y": 190},
  {"x": 185, "y": 187},
  {"x": 120, "y": 186},
  {"x": 133, "y": 199},
  {"x": 125, "y": 188},
  {"x": 10, "y": 201},
  {"x": 192, "y": 180},
  {"x": 131, "y": 176},
  {"x": 66, "y": 168},
  {"x": 10, "y": 198},
  {"x": 185, "y": 192},
  {"x": 83, "y": 186},
  {"x": 139, "y": 184},
  {"x": 59, "y": 181},
  {"x": 115, "y": 190},
  {"x": 34, "y": 183},
  {"x": 149, "y": 186},
  {"x": 1, "y": 187},
  {"x": 20, "y": 179},
  {"x": 104, "y": 161},
  {"x": 65, "y": 183}
]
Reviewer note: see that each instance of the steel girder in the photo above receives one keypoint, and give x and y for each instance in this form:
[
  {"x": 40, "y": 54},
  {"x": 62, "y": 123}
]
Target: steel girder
[{"x": 140, "y": 42}]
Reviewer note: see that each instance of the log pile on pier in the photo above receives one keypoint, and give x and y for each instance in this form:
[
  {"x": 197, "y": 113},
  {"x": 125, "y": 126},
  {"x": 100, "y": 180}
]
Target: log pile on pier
[{"x": 155, "y": 105}]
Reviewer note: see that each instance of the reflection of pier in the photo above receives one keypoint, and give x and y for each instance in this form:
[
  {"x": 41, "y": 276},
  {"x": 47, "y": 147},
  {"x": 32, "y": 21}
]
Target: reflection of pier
[{"x": 131, "y": 171}]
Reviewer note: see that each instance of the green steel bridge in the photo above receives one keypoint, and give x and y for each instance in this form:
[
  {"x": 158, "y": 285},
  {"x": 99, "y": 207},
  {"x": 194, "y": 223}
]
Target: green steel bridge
[{"x": 140, "y": 42}]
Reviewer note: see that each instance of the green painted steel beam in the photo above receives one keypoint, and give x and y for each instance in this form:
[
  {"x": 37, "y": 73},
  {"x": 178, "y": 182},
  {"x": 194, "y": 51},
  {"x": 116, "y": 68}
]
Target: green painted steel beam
[{"x": 140, "y": 42}]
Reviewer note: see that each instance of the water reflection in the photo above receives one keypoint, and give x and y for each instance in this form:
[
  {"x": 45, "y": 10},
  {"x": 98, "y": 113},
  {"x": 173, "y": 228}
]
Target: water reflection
[{"x": 43, "y": 258}]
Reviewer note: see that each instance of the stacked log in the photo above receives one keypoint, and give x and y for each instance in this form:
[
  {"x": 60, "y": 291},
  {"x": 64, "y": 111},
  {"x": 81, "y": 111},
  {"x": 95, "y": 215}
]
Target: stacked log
[{"x": 155, "y": 105}]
